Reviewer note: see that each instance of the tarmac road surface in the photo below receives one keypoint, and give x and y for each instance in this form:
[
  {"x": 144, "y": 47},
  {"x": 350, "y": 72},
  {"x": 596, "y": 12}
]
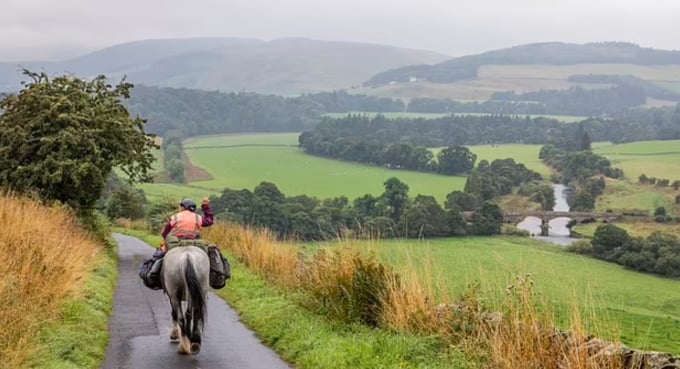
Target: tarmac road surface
[{"x": 140, "y": 325}]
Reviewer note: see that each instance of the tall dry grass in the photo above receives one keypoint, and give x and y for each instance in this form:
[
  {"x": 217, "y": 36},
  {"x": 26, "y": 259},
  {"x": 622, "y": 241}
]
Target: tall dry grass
[
  {"x": 44, "y": 256},
  {"x": 350, "y": 284}
]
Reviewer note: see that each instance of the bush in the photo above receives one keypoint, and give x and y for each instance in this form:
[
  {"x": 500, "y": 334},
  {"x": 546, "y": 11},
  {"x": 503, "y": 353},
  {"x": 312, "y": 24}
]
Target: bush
[
  {"x": 607, "y": 240},
  {"x": 350, "y": 288},
  {"x": 583, "y": 247},
  {"x": 660, "y": 211},
  {"x": 511, "y": 230}
]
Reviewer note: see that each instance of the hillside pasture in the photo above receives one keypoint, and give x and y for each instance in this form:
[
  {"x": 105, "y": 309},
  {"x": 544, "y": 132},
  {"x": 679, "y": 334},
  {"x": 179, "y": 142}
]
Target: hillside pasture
[
  {"x": 644, "y": 311},
  {"x": 659, "y": 159},
  {"x": 654, "y": 73},
  {"x": 243, "y": 161},
  {"x": 524, "y": 78}
]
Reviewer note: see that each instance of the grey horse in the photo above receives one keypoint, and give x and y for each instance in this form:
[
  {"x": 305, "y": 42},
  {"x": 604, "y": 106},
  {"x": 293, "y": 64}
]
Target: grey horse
[{"x": 185, "y": 279}]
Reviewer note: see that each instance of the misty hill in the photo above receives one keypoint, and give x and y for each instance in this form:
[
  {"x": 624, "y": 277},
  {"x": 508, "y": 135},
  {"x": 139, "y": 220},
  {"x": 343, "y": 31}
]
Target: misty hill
[
  {"x": 552, "y": 53},
  {"x": 283, "y": 66}
]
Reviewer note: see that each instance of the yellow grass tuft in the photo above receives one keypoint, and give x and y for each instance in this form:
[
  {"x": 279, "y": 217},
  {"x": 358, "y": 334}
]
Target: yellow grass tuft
[{"x": 45, "y": 256}]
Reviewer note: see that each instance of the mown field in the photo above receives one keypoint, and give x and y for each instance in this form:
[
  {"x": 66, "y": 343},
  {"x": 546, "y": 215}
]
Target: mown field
[
  {"x": 243, "y": 161},
  {"x": 644, "y": 311},
  {"x": 523, "y": 78},
  {"x": 654, "y": 158}
]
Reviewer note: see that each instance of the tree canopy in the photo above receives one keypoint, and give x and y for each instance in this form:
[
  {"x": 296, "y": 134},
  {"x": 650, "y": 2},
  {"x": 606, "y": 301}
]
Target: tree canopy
[{"x": 62, "y": 137}]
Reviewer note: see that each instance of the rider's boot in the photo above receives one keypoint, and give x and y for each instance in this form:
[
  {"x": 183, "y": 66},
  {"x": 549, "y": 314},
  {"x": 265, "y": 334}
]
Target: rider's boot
[{"x": 219, "y": 268}]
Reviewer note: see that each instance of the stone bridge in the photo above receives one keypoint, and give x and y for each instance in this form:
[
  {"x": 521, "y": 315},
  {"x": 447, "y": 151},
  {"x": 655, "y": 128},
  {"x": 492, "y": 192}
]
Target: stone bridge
[{"x": 547, "y": 216}]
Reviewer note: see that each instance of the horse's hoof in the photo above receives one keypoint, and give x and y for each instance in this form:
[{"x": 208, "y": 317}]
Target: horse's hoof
[
  {"x": 174, "y": 336},
  {"x": 195, "y": 348},
  {"x": 181, "y": 349}
]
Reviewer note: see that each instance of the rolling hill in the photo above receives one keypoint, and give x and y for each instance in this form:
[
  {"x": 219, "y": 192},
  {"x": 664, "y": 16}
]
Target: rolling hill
[
  {"x": 527, "y": 68},
  {"x": 283, "y": 66}
]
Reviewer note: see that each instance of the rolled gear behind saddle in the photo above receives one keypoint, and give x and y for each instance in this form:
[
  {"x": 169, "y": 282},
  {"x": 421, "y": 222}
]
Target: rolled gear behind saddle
[
  {"x": 220, "y": 270},
  {"x": 150, "y": 271}
]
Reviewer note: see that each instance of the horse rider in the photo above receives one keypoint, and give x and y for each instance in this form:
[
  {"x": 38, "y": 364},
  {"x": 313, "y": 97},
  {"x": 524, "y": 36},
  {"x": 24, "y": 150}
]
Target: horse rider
[{"x": 186, "y": 225}]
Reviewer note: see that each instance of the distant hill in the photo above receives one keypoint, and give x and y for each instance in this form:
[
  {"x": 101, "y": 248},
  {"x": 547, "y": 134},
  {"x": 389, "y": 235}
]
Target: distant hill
[
  {"x": 283, "y": 66},
  {"x": 552, "y": 53}
]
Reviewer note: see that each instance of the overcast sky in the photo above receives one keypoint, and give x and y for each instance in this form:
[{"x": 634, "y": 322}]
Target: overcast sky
[{"x": 30, "y": 28}]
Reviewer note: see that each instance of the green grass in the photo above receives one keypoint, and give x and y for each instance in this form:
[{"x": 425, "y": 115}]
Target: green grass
[
  {"x": 645, "y": 309},
  {"x": 79, "y": 337},
  {"x": 624, "y": 194},
  {"x": 654, "y": 158},
  {"x": 310, "y": 341},
  {"x": 236, "y": 165},
  {"x": 525, "y": 154}
]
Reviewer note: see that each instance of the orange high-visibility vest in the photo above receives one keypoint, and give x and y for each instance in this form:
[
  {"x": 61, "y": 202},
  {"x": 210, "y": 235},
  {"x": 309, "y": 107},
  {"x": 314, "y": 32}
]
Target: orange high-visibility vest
[{"x": 186, "y": 224}]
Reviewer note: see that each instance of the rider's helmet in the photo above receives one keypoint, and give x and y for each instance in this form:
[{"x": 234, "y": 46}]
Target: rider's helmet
[{"x": 188, "y": 204}]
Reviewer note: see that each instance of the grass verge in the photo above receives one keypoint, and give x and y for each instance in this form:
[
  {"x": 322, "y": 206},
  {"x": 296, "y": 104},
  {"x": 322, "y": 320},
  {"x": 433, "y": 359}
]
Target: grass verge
[
  {"x": 55, "y": 293},
  {"x": 79, "y": 336}
]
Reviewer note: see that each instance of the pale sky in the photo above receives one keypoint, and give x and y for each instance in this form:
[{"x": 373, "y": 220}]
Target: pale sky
[{"x": 455, "y": 27}]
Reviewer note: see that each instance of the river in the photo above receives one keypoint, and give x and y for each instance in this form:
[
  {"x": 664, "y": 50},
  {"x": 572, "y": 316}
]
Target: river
[{"x": 559, "y": 233}]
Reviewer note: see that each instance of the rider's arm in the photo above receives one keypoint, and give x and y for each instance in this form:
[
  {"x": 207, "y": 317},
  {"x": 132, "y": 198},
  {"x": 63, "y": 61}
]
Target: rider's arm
[
  {"x": 166, "y": 230},
  {"x": 208, "y": 216}
]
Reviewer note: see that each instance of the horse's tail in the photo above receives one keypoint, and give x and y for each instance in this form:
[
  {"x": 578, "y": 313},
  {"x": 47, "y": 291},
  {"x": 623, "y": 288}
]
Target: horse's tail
[{"x": 196, "y": 305}]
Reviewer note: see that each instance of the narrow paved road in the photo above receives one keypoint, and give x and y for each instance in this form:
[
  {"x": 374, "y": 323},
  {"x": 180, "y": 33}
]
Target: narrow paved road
[{"x": 140, "y": 327}]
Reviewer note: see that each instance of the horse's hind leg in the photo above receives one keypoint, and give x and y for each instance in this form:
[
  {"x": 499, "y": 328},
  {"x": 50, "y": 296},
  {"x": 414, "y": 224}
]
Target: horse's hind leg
[{"x": 174, "y": 335}]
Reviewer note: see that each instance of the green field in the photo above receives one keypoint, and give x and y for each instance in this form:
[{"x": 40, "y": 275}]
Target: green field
[
  {"x": 645, "y": 309},
  {"x": 395, "y": 115},
  {"x": 654, "y": 158},
  {"x": 525, "y": 154},
  {"x": 243, "y": 161}
]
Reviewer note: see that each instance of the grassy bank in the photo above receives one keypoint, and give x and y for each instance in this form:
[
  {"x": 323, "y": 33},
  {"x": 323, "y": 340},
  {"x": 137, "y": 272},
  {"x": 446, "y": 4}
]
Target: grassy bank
[
  {"x": 57, "y": 287},
  {"x": 309, "y": 340},
  {"x": 643, "y": 311}
]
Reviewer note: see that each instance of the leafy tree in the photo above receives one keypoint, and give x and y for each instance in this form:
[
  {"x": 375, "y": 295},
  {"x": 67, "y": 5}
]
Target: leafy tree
[
  {"x": 424, "y": 217},
  {"x": 269, "y": 191},
  {"x": 676, "y": 185},
  {"x": 462, "y": 201},
  {"x": 396, "y": 197},
  {"x": 455, "y": 160},
  {"x": 607, "y": 239},
  {"x": 584, "y": 200},
  {"x": 126, "y": 202},
  {"x": 62, "y": 137},
  {"x": 487, "y": 220},
  {"x": 643, "y": 179}
]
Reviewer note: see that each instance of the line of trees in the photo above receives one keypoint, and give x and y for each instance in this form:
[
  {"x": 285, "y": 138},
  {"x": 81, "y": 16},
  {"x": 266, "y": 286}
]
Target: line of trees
[
  {"x": 392, "y": 214},
  {"x": 579, "y": 100},
  {"x": 173, "y": 160},
  {"x": 195, "y": 112},
  {"x": 449, "y": 161},
  {"x": 658, "y": 253},
  {"x": 579, "y": 169},
  {"x": 489, "y": 129},
  {"x": 658, "y": 182}
]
